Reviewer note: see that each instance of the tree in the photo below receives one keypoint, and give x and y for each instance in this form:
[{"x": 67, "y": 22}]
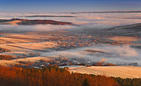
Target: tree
[{"x": 85, "y": 83}]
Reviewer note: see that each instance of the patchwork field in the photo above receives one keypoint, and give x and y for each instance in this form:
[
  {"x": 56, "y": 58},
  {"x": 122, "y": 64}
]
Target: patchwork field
[{"x": 89, "y": 39}]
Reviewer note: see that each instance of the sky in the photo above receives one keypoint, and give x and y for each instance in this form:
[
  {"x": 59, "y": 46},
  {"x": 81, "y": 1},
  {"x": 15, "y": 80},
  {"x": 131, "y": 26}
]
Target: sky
[{"x": 67, "y": 5}]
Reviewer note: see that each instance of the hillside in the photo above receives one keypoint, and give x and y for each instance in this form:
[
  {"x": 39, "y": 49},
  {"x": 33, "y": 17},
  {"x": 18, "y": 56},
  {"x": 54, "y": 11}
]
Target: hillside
[
  {"x": 112, "y": 71},
  {"x": 16, "y": 21}
]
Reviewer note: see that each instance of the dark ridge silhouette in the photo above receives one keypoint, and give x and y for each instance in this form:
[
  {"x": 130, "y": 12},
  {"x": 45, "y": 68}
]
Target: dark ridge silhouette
[
  {"x": 126, "y": 30},
  {"x": 32, "y": 22}
]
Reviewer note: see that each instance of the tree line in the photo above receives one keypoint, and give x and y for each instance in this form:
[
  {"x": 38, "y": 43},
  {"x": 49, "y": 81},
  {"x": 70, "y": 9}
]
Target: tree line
[
  {"x": 50, "y": 76},
  {"x": 55, "y": 76}
]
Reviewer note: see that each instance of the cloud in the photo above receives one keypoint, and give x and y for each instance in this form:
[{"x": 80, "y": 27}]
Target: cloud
[
  {"x": 51, "y": 27},
  {"x": 126, "y": 51}
]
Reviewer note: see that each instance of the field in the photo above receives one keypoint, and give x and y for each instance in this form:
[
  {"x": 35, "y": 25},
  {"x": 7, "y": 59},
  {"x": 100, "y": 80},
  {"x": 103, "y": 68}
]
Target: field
[
  {"x": 110, "y": 71},
  {"x": 79, "y": 39}
]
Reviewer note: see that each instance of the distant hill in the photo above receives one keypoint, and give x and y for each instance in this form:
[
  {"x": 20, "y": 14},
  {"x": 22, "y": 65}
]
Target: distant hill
[
  {"x": 110, "y": 12},
  {"x": 16, "y": 21},
  {"x": 127, "y": 30}
]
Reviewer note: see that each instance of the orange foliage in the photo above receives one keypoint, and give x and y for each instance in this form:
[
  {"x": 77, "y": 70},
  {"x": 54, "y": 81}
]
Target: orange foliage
[{"x": 49, "y": 76}]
